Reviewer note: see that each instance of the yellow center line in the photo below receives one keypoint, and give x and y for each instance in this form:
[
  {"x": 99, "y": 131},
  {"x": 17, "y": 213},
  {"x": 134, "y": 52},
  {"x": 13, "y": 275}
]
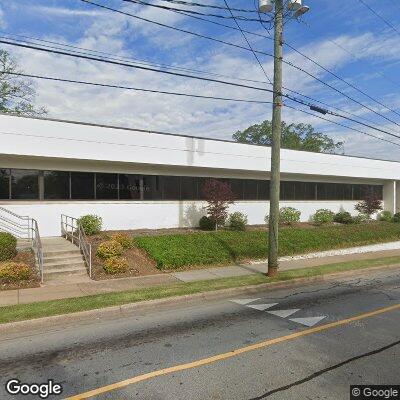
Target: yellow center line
[{"x": 230, "y": 354}]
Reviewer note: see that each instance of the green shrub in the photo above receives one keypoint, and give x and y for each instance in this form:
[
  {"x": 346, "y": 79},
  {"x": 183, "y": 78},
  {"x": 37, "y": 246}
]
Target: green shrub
[
  {"x": 123, "y": 239},
  {"x": 115, "y": 265},
  {"x": 343, "y": 217},
  {"x": 237, "y": 221},
  {"x": 91, "y": 224},
  {"x": 360, "y": 218},
  {"x": 109, "y": 249},
  {"x": 13, "y": 272},
  {"x": 386, "y": 216},
  {"x": 289, "y": 216},
  {"x": 396, "y": 217},
  {"x": 227, "y": 247},
  {"x": 8, "y": 246},
  {"x": 323, "y": 216},
  {"x": 206, "y": 224}
]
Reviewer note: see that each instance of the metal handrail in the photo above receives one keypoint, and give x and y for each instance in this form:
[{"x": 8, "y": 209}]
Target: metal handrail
[
  {"x": 29, "y": 231},
  {"x": 71, "y": 230}
]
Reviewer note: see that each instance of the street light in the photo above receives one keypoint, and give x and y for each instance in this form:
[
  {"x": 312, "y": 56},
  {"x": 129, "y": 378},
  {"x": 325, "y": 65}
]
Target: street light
[{"x": 295, "y": 8}]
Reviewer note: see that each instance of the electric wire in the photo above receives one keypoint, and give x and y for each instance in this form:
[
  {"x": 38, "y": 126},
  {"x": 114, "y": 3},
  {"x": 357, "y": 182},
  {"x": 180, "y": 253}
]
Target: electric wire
[
  {"x": 112, "y": 57},
  {"x": 247, "y": 49},
  {"x": 192, "y": 4},
  {"x": 207, "y": 97},
  {"x": 240, "y": 17},
  {"x": 248, "y": 43}
]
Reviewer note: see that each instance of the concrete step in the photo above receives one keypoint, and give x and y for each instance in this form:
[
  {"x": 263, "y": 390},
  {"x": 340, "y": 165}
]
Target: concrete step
[
  {"x": 63, "y": 264},
  {"x": 62, "y": 257},
  {"x": 61, "y": 252},
  {"x": 63, "y": 272}
]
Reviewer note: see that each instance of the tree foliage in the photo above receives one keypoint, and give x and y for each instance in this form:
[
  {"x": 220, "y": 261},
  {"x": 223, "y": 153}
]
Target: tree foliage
[
  {"x": 294, "y": 136},
  {"x": 17, "y": 94},
  {"x": 370, "y": 204},
  {"x": 218, "y": 195}
]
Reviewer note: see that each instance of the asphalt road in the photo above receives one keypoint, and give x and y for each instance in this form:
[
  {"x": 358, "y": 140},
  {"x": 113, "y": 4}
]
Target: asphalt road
[{"x": 305, "y": 363}]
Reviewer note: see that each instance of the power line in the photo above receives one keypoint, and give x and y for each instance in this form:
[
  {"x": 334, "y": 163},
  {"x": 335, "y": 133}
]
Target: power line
[
  {"x": 247, "y": 49},
  {"x": 207, "y": 97},
  {"x": 187, "y": 3},
  {"x": 342, "y": 125},
  {"x": 112, "y": 57},
  {"x": 143, "y": 3},
  {"x": 48, "y": 78},
  {"x": 389, "y": 24},
  {"x": 248, "y": 43}
]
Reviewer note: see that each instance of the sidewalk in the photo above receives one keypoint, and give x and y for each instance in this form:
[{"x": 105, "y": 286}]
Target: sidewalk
[{"x": 85, "y": 288}]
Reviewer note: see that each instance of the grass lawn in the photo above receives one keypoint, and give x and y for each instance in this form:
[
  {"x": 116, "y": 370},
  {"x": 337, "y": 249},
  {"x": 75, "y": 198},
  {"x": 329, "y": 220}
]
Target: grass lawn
[
  {"x": 66, "y": 306},
  {"x": 224, "y": 247}
]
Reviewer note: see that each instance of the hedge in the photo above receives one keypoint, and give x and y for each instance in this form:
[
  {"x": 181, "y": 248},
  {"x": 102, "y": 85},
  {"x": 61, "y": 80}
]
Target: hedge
[{"x": 224, "y": 247}]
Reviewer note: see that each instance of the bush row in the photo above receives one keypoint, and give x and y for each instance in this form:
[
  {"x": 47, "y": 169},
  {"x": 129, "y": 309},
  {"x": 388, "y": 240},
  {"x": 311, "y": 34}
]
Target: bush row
[{"x": 224, "y": 247}]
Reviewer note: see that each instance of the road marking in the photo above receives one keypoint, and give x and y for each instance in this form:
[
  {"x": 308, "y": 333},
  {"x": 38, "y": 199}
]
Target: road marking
[
  {"x": 262, "y": 307},
  {"x": 244, "y": 301},
  {"x": 283, "y": 313},
  {"x": 230, "y": 354},
  {"x": 310, "y": 321}
]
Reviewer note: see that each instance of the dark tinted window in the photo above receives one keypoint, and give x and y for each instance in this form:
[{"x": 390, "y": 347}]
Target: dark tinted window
[
  {"x": 263, "y": 190},
  {"x": 250, "y": 189},
  {"x": 106, "y": 186},
  {"x": 237, "y": 188},
  {"x": 152, "y": 187},
  {"x": 82, "y": 185},
  {"x": 24, "y": 184},
  {"x": 200, "y": 187},
  {"x": 171, "y": 187},
  {"x": 4, "y": 183},
  {"x": 305, "y": 190},
  {"x": 129, "y": 187},
  {"x": 188, "y": 188},
  {"x": 287, "y": 191},
  {"x": 56, "y": 185}
]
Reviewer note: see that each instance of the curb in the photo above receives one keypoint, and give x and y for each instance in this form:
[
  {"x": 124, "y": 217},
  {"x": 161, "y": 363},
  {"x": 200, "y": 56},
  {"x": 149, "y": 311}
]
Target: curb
[{"x": 142, "y": 306}]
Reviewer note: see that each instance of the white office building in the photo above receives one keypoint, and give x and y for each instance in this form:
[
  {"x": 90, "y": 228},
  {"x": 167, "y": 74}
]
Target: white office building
[{"x": 138, "y": 179}]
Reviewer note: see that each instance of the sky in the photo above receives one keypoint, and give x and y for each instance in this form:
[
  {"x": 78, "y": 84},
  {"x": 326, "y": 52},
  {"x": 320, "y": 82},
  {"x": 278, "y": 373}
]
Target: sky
[{"x": 343, "y": 36}]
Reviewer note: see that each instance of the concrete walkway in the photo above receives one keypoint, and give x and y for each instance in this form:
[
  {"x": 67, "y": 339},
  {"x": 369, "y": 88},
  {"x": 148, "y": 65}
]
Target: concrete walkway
[{"x": 84, "y": 288}]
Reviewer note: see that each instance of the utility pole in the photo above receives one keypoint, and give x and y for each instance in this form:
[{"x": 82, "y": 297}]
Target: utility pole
[{"x": 276, "y": 142}]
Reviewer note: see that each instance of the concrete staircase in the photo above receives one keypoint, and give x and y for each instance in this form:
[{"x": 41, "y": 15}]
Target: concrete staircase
[{"x": 62, "y": 260}]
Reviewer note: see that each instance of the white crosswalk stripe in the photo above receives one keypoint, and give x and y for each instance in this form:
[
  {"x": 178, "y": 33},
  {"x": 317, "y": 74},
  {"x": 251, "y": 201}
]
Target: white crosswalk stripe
[
  {"x": 244, "y": 301},
  {"x": 262, "y": 307},
  {"x": 284, "y": 313},
  {"x": 309, "y": 321}
]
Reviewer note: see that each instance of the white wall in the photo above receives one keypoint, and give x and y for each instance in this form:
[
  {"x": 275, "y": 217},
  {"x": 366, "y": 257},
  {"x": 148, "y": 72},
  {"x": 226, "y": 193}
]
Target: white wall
[
  {"x": 150, "y": 215},
  {"x": 60, "y": 140}
]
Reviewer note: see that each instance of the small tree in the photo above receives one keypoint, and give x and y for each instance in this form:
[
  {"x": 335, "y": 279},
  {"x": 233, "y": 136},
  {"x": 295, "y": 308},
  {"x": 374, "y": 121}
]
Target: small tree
[
  {"x": 218, "y": 196},
  {"x": 370, "y": 205}
]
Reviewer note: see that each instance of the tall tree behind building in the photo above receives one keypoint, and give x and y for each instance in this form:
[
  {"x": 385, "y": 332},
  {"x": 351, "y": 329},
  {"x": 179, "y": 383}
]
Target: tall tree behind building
[
  {"x": 17, "y": 94},
  {"x": 294, "y": 136}
]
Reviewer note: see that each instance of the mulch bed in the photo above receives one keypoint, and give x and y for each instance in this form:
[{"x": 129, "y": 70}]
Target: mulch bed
[
  {"x": 139, "y": 263},
  {"x": 27, "y": 257}
]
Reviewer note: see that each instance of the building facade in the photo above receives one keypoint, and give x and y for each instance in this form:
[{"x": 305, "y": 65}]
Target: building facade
[{"x": 138, "y": 179}]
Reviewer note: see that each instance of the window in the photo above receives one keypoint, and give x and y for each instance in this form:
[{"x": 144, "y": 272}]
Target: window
[
  {"x": 4, "y": 183},
  {"x": 56, "y": 185},
  {"x": 107, "y": 186},
  {"x": 305, "y": 190},
  {"x": 237, "y": 188},
  {"x": 263, "y": 190},
  {"x": 250, "y": 189},
  {"x": 24, "y": 184},
  {"x": 171, "y": 187},
  {"x": 287, "y": 191},
  {"x": 82, "y": 185},
  {"x": 129, "y": 187},
  {"x": 152, "y": 187},
  {"x": 188, "y": 188}
]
